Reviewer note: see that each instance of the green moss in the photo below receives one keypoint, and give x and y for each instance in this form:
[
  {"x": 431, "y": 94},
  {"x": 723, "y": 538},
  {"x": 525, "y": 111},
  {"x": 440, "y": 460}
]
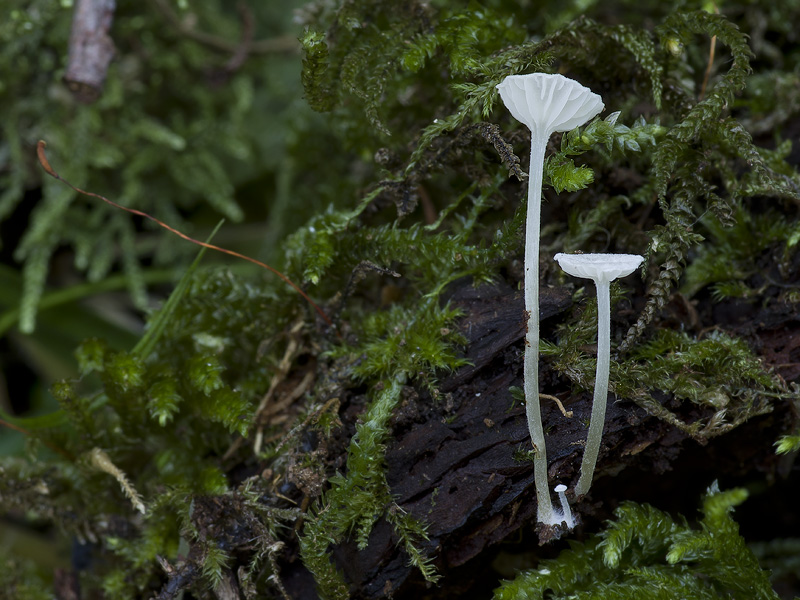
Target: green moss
[
  {"x": 715, "y": 371},
  {"x": 645, "y": 551},
  {"x": 181, "y": 148},
  {"x": 787, "y": 444},
  {"x": 375, "y": 207},
  {"x": 405, "y": 341},
  {"x": 397, "y": 345},
  {"x": 730, "y": 260}
]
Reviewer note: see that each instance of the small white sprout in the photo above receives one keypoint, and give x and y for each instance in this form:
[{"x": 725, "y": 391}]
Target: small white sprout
[
  {"x": 603, "y": 269},
  {"x": 567, "y": 513},
  {"x": 546, "y": 104}
]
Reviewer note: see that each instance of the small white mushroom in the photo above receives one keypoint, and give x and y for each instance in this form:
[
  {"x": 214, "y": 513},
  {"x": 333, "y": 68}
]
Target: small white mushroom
[
  {"x": 546, "y": 104},
  {"x": 603, "y": 269},
  {"x": 567, "y": 513}
]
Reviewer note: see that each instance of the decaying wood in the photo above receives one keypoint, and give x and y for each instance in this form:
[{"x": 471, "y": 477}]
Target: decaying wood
[
  {"x": 66, "y": 585},
  {"x": 90, "y": 48},
  {"x": 452, "y": 463}
]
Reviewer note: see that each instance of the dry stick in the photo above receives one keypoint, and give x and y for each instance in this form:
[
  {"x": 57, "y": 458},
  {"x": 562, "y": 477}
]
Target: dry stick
[
  {"x": 708, "y": 68},
  {"x": 710, "y": 61},
  {"x": 283, "y": 370},
  {"x": 282, "y": 44},
  {"x": 289, "y": 398},
  {"x": 564, "y": 411},
  {"x": 90, "y": 48},
  {"x": 50, "y": 171}
]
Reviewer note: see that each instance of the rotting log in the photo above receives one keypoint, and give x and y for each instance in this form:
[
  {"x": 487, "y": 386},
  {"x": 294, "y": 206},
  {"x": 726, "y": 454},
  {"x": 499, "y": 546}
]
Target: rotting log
[{"x": 452, "y": 463}]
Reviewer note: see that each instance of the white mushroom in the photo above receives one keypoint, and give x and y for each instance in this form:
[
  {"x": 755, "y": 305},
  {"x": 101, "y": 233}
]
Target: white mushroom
[
  {"x": 603, "y": 269},
  {"x": 567, "y": 513},
  {"x": 546, "y": 104}
]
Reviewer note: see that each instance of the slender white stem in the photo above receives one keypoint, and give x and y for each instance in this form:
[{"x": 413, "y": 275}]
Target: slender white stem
[
  {"x": 600, "y": 388},
  {"x": 531, "y": 363}
]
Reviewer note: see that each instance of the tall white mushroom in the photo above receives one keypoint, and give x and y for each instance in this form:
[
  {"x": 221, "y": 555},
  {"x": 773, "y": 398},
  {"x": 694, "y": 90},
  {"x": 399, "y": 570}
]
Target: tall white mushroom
[
  {"x": 546, "y": 104},
  {"x": 603, "y": 269}
]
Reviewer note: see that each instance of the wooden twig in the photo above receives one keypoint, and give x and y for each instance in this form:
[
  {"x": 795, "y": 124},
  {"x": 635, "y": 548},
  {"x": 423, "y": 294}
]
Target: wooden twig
[
  {"x": 243, "y": 50},
  {"x": 710, "y": 64},
  {"x": 40, "y": 147},
  {"x": 90, "y": 48},
  {"x": 708, "y": 68},
  {"x": 564, "y": 411},
  {"x": 53, "y": 447},
  {"x": 283, "y": 370},
  {"x": 277, "y": 45}
]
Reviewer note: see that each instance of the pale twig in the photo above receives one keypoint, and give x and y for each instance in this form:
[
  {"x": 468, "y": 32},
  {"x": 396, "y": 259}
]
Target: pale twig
[
  {"x": 710, "y": 61},
  {"x": 289, "y": 355},
  {"x": 565, "y": 412}
]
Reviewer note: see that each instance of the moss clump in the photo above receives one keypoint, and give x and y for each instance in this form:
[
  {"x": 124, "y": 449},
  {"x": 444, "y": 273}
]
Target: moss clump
[{"x": 646, "y": 551}]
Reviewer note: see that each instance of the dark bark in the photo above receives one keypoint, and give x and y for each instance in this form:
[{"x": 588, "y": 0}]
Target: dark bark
[
  {"x": 66, "y": 585},
  {"x": 452, "y": 463}
]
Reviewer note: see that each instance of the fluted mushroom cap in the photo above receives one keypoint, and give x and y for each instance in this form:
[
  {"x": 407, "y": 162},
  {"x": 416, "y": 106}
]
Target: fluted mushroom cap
[
  {"x": 600, "y": 267},
  {"x": 549, "y": 103}
]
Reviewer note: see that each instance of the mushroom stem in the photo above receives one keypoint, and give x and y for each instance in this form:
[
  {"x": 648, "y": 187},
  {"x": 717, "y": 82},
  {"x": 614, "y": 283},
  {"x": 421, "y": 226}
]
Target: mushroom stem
[
  {"x": 600, "y": 400},
  {"x": 545, "y": 104},
  {"x": 602, "y": 269},
  {"x": 531, "y": 360}
]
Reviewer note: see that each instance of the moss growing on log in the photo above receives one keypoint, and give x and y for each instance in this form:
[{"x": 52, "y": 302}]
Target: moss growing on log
[{"x": 377, "y": 452}]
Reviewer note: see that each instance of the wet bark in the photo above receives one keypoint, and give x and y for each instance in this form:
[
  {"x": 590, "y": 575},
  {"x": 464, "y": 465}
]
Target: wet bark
[{"x": 453, "y": 463}]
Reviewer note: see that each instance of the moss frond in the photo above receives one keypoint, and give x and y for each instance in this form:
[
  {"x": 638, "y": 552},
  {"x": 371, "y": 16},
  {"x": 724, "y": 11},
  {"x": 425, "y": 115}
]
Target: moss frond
[
  {"x": 645, "y": 551},
  {"x": 315, "y": 70}
]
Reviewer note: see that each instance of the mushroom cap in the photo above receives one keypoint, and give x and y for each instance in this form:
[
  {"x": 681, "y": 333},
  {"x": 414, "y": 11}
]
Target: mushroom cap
[
  {"x": 560, "y": 488},
  {"x": 549, "y": 103},
  {"x": 600, "y": 267}
]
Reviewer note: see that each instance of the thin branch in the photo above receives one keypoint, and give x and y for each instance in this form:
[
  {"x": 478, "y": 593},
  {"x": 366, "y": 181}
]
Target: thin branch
[
  {"x": 52, "y": 447},
  {"x": 278, "y": 45},
  {"x": 564, "y": 411},
  {"x": 244, "y": 48},
  {"x": 90, "y": 48},
  {"x": 710, "y": 62},
  {"x": 50, "y": 171}
]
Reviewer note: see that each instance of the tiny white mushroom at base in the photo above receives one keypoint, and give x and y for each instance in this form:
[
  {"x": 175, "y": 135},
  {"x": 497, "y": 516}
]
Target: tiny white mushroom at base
[
  {"x": 567, "y": 513},
  {"x": 603, "y": 269},
  {"x": 546, "y": 104}
]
